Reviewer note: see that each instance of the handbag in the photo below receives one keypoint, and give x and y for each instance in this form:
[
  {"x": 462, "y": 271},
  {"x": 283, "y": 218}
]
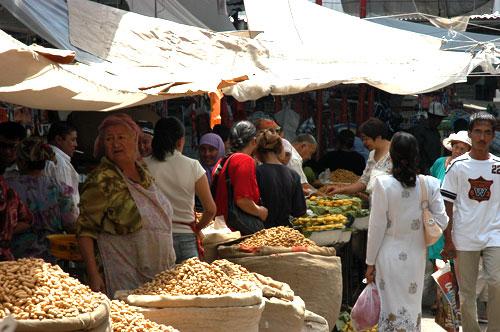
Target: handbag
[
  {"x": 432, "y": 231},
  {"x": 238, "y": 219}
]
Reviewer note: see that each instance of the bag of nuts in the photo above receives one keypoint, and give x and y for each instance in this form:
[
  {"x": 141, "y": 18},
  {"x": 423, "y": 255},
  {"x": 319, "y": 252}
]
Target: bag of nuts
[
  {"x": 316, "y": 278},
  {"x": 274, "y": 240},
  {"x": 198, "y": 296},
  {"x": 41, "y": 297}
]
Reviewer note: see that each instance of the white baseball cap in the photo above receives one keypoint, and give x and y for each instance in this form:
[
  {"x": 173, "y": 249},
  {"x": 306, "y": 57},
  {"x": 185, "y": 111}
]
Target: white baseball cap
[
  {"x": 461, "y": 136},
  {"x": 437, "y": 109}
]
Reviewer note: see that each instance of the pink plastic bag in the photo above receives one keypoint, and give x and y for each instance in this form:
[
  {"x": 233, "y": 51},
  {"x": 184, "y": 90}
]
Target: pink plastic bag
[{"x": 366, "y": 310}]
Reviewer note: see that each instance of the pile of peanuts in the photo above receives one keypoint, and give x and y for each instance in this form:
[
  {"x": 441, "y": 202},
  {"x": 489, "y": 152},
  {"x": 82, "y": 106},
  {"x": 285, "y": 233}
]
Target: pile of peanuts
[
  {"x": 33, "y": 289},
  {"x": 192, "y": 277},
  {"x": 126, "y": 318},
  {"x": 277, "y": 237},
  {"x": 235, "y": 271}
]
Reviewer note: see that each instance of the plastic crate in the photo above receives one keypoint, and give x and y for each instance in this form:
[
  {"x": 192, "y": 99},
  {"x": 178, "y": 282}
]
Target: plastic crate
[{"x": 65, "y": 247}]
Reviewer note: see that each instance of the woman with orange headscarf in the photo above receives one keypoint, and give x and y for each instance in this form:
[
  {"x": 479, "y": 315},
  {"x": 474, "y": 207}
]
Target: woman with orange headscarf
[{"x": 123, "y": 212}]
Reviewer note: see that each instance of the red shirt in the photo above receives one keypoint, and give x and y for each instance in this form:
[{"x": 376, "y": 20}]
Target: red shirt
[{"x": 242, "y": 172}]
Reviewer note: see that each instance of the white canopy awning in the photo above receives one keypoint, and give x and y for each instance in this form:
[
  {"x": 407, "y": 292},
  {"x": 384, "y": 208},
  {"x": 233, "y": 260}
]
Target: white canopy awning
[
  {"x": 303, "y": 47},
  {"x": 40, "y": 78},
  {"x": 325, "y": 47}
]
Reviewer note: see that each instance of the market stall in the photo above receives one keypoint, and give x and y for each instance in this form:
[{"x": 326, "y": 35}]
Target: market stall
[{"x": 284, "y": 254}]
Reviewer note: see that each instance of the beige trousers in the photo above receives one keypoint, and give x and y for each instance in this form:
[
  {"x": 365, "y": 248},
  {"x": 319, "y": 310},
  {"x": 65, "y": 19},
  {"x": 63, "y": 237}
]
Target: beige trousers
[{"x": 467, "y": 266}]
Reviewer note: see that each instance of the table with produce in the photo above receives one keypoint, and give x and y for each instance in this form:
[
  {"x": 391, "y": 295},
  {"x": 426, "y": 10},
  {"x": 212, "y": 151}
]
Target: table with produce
[{"x": 329, "y": 219}]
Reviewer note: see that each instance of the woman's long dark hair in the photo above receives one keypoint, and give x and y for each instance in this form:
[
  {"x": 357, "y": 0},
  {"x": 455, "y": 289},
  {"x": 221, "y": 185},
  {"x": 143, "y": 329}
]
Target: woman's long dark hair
[
  {"x": 168, "y": 131},
  {"x": 404, "y": 155}
]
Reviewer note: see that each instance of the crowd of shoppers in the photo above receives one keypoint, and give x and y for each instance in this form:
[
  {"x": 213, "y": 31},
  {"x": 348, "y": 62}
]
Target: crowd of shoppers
[
  {"x": 466, "y": 206},
  {"x": 135, "y": 213}
]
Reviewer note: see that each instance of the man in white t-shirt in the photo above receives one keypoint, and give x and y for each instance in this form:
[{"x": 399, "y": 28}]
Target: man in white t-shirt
[
  {"x": 62, "y": 139},
  {"x": 472, "y": 186},
  {"x": 303, "y": 148}
]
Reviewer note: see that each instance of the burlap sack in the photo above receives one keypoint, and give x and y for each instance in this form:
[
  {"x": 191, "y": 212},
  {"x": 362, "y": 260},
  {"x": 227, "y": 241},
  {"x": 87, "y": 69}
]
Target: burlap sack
[
  {"x": 212, "y": 240},
  {"x": 316, "y": 279},
  {"x": 235, "y": 251},
  {"x": 212, "y": 319},
  {"x": 283, "y": 316},
  {"x": 272, "y": 288},
  {"x": 202, "y": 301},
  {"x": 96, "y": 321},
  {"x": 314, "y": 323}
]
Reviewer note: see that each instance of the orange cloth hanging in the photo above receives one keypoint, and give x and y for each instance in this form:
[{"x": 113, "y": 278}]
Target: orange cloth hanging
[{"x": 215, "y": 99}]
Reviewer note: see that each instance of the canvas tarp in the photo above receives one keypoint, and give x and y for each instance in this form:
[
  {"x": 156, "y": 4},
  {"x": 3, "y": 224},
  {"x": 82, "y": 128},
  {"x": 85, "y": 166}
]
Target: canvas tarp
[
  {"x": 292, "y": 54},
  {"x": 49, "y": 20},
  {"x": 209, "y": 14},
  {"x": 443, "y": 8},
  {"x": 451, "y": 39},
  {"x": 350, "y": 50},
  {"x": 38, "y": 78}
]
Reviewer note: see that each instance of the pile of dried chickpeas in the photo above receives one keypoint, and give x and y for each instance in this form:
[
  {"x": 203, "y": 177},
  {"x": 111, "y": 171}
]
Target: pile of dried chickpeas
[
  {"x": 192, "y": 277},
  {"x": 33, "y": 289},
  {"x": 278, "y": 237}
]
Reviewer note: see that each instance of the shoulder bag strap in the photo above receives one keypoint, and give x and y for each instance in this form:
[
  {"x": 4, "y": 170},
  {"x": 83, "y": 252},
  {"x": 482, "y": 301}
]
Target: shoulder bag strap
[
  {"x": 230, "y": 195},
  {"x": 217, "y": 171},
  {"x": 424, "y": 199}
]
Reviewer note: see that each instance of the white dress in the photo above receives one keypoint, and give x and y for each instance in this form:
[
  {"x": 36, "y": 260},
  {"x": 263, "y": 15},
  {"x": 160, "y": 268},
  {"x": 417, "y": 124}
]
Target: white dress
[{"x": 397, "y": 249}]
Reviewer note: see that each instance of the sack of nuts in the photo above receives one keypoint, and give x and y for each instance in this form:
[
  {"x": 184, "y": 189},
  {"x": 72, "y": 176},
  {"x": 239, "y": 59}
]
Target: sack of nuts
[
  {"x": 42, "y": 297},
  {"x": 274, "y": 240},
  {"x": 193, "y": 283},
  {"x": 270, "y": 287},
  {"x": 284, "y": 254},
  {"x": 198, "y": 296},
  {"x": 127, "y": 318}
]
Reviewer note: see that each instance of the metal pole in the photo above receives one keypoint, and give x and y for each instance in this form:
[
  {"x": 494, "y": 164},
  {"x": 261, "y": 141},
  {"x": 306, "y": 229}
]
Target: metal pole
[
  {"x": 319, "y": 121},
  {"x": 319, "y": 112},
  {"x": 361, "y": 87},
  {"x": 362, "y": 8}
]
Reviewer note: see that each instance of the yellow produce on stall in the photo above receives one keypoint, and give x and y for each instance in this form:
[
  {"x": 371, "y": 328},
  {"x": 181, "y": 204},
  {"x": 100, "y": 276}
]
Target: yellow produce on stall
[{"x": 321, "y": 223}]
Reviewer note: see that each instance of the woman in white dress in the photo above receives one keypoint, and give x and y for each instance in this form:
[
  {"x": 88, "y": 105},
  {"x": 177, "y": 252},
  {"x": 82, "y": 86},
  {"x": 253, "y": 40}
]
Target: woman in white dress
[{"x": 396, "y": 248}]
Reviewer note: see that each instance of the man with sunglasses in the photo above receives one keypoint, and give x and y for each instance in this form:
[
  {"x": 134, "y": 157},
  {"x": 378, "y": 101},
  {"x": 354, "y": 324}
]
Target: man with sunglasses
[{"x": 11, "y": 134}]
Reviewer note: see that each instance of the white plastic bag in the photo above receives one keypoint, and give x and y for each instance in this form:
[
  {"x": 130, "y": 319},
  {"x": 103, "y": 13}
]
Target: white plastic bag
[
  {"x": 324, "y": 177},
  {"x": 366, "y": 310}
]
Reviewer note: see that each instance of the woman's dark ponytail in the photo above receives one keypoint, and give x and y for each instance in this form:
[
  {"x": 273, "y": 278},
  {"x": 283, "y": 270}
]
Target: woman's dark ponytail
[
  {"x": 168, "y": 131},
  {"x": 404, "y": 155}
]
